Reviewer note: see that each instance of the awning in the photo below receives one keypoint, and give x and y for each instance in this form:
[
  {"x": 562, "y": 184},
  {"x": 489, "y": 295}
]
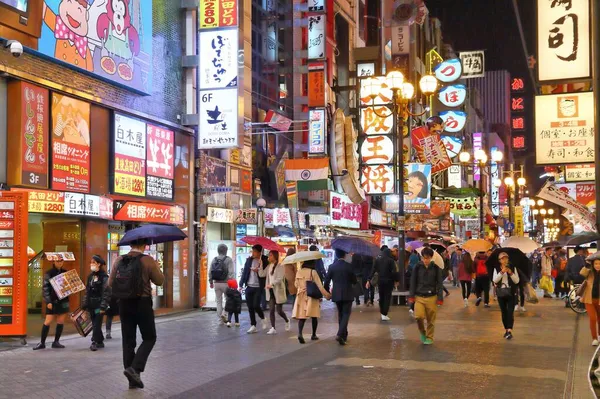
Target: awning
[{"x": 354, "y": 233}]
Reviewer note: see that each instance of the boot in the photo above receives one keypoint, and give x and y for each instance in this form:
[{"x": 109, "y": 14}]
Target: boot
[
  {"x": 56, "y": 344},
  {"x": 108, "y": 336},
  {"x": 42, "y": 344}
]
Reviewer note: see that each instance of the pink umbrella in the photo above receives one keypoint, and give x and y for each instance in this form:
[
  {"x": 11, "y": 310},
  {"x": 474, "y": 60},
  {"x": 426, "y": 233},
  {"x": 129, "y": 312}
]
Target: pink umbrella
[{"x": 265, "y": 242}]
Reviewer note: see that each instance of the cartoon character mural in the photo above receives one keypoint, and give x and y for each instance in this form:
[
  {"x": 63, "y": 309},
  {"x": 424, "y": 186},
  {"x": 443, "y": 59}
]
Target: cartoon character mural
[{"x": 109, "y": 38}]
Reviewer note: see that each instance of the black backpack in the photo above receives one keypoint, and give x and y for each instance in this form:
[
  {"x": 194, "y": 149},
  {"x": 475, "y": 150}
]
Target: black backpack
[
  {"x": 217, "y": 270},
  {"x": 128, "y": 277}
]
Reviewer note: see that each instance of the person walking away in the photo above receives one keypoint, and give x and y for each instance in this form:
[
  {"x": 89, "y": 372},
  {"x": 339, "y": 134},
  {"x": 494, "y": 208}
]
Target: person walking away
[
  {"x": 306, "y": 307},
  {"x": 319, "y": 265},
  {"x": 367, "y": 263},
  {"x": 130, "y": 282},
  {"x": 385, "y": 267},
  {"x": 446, "y": 273},
  {"x": 561, "y": 282},
  {"x": 427, "y": 294},
  {"x": 221, "y": 271},
  {"x": 290, "y": 276},
  {"x": 343, "y": 276},
  {"x": 111, "y": 312},
  {"x": 276, "y": 291},
  {"x": 96, "y": 299},
  {"x": 506, "y": 282},
  {"x": 357, "y": 269},
  {"x": 465, "y": 275},
  {"x": 254, "y": 279},
  {"x": 454, "y": 261},
  {"x": 575, "y": 265},
  {"x": 591, "y": 297},
  {"x": 482, "y": 280},
  {"x": 547, "y": 265},
  {"x": 56, "y": 309},
  {"x": 233, "y": 302},
  {"x": 536, "y": 260}
]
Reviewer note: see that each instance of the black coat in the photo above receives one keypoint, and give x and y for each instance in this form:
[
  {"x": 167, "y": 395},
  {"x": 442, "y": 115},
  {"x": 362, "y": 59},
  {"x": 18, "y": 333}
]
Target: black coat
[
  {"x": 385, "y": 266},
  {"x": 343, "y": 277},
  {"x": 97, "y": 292},
  {"x": 48, "y": 292},
  {"x": 320, "y": 268},
  {"x": 246, "y": 272},
  {"x": 233, "y": 303}
]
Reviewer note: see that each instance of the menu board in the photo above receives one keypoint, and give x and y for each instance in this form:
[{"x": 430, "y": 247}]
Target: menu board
[
  {"x": 67, "y": 283},
  {"x": 43, "y": 201},
  {"x": 159, "y": 162},
  {"x": 130, "y": 156},
  {"x": 70, "y": 144}
]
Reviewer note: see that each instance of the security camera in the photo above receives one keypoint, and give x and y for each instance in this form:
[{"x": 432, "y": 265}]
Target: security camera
[{"x": 15, "y": 48}]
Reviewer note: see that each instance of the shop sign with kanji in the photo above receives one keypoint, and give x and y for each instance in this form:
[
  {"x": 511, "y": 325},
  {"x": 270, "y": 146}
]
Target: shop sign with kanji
[
  {"x": 130, "y": 156},
  {"x": 219, "y": 215},
  {"x": 466, "y": 206},
  {"x": 217, "y": 13},
  {"x": 473, "y": 63},
  {"x": 453, "y": 95},
  {"x": 343, "y": 212},
  {"x": 577, "y": 173},
  {"x": 454, "y": 121},
  {"x": 430, "y": 149},
  {"x": 246, "y": 216},
  {"x": 159, "y": 162},
  {"x": 448, "y": 71},
  {"x": 129, "y": 211}
]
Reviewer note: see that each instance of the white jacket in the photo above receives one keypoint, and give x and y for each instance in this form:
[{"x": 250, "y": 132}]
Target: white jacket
[
  {"x": 547, "y": 264},
  {"x": 277, "y": 281}
]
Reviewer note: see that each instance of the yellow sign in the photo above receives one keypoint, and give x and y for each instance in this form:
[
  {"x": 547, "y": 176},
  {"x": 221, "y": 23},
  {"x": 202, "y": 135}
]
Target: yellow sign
[
  {"x": 6, "y": 291},
  {"x": 519, "y": 228},
  {"x": 6, "y": 262},
  {"x": 130, "y": 184}
]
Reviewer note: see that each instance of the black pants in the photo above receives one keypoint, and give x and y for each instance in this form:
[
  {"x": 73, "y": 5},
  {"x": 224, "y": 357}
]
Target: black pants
[
  {"x": 466, "y": 289},
  {"x": 507, "y": 306},
  {"x": 521, "y": 295},
  {"x": 385, "y": 297},
  {"x": 253, "y": 297},
  {"x": 237, "y": 317},
  {"x": 97, "y": 335},
  {"x": 315, "y": 324},
  {"x": 358, "y": 291},
  {"x": 482, "y": 285},
  {"x": 274, "y": 306},
  {"x": 344, "y": 311},
  {"x": 137, "y": 313},
  {"x": 558, "y": 288},
  {"x": 263, "y": 299}
]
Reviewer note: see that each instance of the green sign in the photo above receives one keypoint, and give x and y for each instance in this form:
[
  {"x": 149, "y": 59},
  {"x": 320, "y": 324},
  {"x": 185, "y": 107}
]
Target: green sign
[{"x": 5, "y": 300}]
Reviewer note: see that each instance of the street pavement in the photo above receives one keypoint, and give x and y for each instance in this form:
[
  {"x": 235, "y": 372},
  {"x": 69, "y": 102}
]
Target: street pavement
[{"x": 197, "y": 357}]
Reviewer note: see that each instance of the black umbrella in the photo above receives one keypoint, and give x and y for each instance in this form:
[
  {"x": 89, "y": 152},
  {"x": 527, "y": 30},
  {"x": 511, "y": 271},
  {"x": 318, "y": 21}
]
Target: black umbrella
[
  {"x": 552, "y": 244},
  {"x": 516, "y": 258},
  {"x": 153, "y": 233},
  {"x": 583, "y": 238}
]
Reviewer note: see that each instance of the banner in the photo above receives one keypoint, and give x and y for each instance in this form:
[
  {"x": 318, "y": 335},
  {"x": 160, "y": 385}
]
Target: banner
[
  {"x": 430, "y": 149},
  {"x": 554, "y": 194},
  {"x": 417, "y": 188},
  {"x": 129, "y": 211},
  {"x": 584, "y": 193},
  {"x": 343, "y": 212},
  {"x": 159, "y": 162},
  {"x": 129, "y": 156},
  {"x": 465, "y": 206},
  {"x": 519, "y": 225},
  {"x": 582, "y": 172}
]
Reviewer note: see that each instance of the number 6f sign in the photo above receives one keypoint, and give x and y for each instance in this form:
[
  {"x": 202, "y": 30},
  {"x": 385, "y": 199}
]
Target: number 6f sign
[{"x": 218, "y": 126}]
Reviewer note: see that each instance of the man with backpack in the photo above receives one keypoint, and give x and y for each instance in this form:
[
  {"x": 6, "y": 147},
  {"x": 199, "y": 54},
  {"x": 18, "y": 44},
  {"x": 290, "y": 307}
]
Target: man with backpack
[
  {"x": 221, "y": 270},
  {"x": 130, "y": 283},
  {"x": 482, "y": 279}
]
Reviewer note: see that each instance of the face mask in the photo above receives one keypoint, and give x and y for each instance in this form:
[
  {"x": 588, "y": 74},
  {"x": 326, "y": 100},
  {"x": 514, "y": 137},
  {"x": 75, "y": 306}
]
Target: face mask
[{"x": 94, "y": 268}]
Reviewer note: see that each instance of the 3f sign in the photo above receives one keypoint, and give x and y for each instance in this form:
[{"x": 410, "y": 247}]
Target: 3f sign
[
  {"x": 206, "y": 98},
  {"x": 34, "y": 178}
]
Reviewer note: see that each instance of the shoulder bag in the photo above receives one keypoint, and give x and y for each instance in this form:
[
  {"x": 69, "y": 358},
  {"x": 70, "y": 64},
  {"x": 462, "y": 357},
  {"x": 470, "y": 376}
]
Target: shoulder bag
[
  {"x": 312, "y": 289},
  {"x": 503, "y": 290}
]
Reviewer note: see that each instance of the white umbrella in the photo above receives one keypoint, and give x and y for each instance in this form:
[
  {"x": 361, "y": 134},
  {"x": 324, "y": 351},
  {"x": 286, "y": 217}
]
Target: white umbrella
[
  {"x": 437, "y": 258},
  {"x": 525, "y": 244},
  {"x": 302, "y": 256}
]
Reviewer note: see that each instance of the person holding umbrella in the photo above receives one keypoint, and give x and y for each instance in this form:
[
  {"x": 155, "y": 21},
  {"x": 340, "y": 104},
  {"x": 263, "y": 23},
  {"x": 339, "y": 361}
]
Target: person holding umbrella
[
  {"x": 385, "y": 268},
  {"x": 275, "y": 291},
  {"x": 465, "y": 275},
  {"x": 506, "y": 281},
  {"x": 343, "y": 277},
  {"x": 254, "y": 279}
]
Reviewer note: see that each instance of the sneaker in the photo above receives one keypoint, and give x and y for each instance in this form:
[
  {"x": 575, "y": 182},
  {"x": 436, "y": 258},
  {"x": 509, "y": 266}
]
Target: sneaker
[
  {"x": 509, "y": 336},
  {"x": 423, "y": 337},
  {"x": 108, "y": 336},
  {"x": 523, "y": 310},
  {"x": 93, "y": 347},
  {"x": 516, "y": 308},
  {"x": 228, "y": 324},
  {"x": 478, "y": 301},
  {"x": 428, "y": 342},
  {"x": 466, "y": 301},
  {"x": 264, "y": 324},
  {"x": 57, "y": 345},
  {"x": 237, "y": 324},
  {"x": 595, "y": 342},
  {"x": 39, "y": 346},
  {"x": 288, "y": 326},
  {"x": 272, "y": 331},
  {"x": 411, "y": 313},
  {"x": 385, "y": 318},
  {"x": 487, "y": 305},
  {"x": 134, "y": 378},
  {"x": 505, "y": 334},
  {"x": 252, "y": 330}
]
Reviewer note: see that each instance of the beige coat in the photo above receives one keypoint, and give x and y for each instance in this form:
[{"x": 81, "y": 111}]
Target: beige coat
[
  {"x": 290, "y": 278},
  {"x": 587, "y": 294},
  {"x": 277, "y": 281},
  {"x": 305, "y": 306}
]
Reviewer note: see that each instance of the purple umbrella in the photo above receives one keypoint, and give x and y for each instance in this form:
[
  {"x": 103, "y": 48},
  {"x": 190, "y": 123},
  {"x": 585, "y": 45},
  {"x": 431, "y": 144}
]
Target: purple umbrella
[
  {"x": 415, "y": 244},
  {"x": 153, "y": 234},
  {"x": 355, "y": 245}
]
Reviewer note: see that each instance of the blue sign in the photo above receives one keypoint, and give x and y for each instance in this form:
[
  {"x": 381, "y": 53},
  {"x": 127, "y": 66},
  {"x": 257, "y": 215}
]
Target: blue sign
[{"x": 510, "y": 226}]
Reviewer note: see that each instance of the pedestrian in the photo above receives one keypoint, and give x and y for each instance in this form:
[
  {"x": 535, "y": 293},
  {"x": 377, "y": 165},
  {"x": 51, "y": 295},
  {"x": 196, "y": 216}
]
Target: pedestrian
[
  {"x": 343, "y": 276},
  {"x": 482, "y": 280},
  {"x": 220, "y": 272},
  {"x": 290, "y": 276},
  {"x": 357, "y": 269},
  {"x": 465, "y": 275},
  {"x": 367, "y": 262},
  {"x": 385, "y": 268},
  {"x": 446, "y": 270},
  {"x": 507, "y": 281},
  {"x": 561, "y": 283},
  {"x": 319, "y": 265},
  {"x": 130, "y": 280},
  {"x": 536, "y": 260},
  {"x": 547, "y": 265},
  {"x": 591, "y": 297},
  {"x": 254, "y": 279},
  {"x": 96, "y": 299},
  {"x": 427, "y": 294},
  {"x": 233, "y": 302},
  {"x": 306, "y": 307},
  {"x": 111, "y": 312},
  {"x": 575, "y": 265},
  {"x": 56, "y": 309},
  {"x": 275, "y": 287},
  {"x": 454, "y": 261}
]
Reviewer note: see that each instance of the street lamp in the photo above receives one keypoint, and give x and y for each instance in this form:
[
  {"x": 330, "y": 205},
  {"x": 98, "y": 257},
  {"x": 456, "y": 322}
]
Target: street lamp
[
  {"x": 540, "y": 202},
  {"x": 260, "y": 204}
]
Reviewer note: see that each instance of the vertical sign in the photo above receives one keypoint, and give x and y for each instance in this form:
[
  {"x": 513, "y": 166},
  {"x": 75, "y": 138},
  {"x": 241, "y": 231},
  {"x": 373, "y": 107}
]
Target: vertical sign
[
  {"x": 159, "y": 162},
  {"x": 417, "y": 190},
  {"x": 129, "y": 156},
  {"x": 316, "y": 85},
  {"x": 316, "y": 36},
  {"x": 477, "y": 145},
  {"x": 519, "y": 226},
  {"x": 517, "y": 107},
  {"x": 70, "y": 144},
  {"x": 400, "y": 40},
  {"x": 316, "y": 138}
]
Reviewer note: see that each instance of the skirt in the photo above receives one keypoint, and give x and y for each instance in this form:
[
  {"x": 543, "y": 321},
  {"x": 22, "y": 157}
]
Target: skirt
[{"x": 60, "y": 307}]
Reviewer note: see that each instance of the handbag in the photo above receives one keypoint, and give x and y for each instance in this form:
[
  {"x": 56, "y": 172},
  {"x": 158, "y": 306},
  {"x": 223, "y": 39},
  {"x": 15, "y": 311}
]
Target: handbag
[
  {"x": 82, "y": 321},
  {"x": 554, "y": 273},
  {"x": 312, "y": 289},
  {"x": 503, "y": 291},
  {"x": 581, "y": 289}
]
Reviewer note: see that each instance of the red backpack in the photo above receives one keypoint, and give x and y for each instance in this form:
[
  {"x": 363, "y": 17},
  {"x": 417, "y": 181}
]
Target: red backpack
[{"x": 481, "y": 267}]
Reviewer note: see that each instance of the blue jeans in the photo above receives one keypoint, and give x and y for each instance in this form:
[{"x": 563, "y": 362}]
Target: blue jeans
[{"x": 537, "y": 275}]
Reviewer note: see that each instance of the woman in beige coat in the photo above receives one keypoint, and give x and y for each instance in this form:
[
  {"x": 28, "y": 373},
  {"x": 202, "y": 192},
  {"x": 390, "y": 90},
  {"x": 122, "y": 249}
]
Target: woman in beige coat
[
  {"x": 275, "y": 290},
  {"x": 591, "y": 297},
  {"x": 306, "y": 307}
]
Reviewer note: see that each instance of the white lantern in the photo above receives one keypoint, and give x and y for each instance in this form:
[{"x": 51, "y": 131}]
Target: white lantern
[{"x": 428, "y": 84}]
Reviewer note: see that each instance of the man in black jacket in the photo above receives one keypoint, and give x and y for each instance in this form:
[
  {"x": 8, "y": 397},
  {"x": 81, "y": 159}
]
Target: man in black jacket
[
  {"x": 343, "y": 277},
  {"x": 426, "y": 293},
  {"x": 385, "y": 267},
  {"x": 255, "y": 285},
  {"x": 367, "y": 264}
]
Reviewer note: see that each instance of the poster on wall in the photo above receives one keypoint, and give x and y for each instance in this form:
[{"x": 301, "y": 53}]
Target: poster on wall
[
  {"x": 218, "y": 119},
  {"x": 159, "y": 162},
  {"x": 213, "y": 172},
  {"x": 70, "y": 144},
  {"x": 417, "y": 190},
  {"x": 130, "y": 156},
  {"x": 219, "y": 61},
  {"x": 110, "y": 39},
  {"x": 217, "y": 13},
  {"x": 564, "y": 128},
  {"x": 316, "y": 131},
  {"x": 316, "y": 36}
]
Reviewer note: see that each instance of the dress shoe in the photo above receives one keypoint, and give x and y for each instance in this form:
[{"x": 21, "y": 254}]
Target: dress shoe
[
  {"x": 133, "y": 377},
  {"x": 39, "y": 346},
  {"x": 57, "y": 345}
]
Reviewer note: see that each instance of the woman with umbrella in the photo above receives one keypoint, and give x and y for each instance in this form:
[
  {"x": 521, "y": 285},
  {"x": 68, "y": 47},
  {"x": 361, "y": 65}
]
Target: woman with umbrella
[
  {"x": 506, "y": 281},
  {"x": 465, "y": 275}
]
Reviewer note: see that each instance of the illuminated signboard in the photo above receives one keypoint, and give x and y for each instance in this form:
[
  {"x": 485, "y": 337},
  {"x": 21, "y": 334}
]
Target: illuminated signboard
[
  {"x": 453, "y": 95},
  {"x": 129, "y": 211},
  {"x": 454, "y": 121},
  {"x": 217, "y": 13},
  {"x": 517, "y": 104},
  {"x": 129, "y": 156},
  {"x": 316, "y": 136},
  {"x": 160, "y": 153},
  {"x": 518, "y": 142},
  {"x": 448, "y": 71}
]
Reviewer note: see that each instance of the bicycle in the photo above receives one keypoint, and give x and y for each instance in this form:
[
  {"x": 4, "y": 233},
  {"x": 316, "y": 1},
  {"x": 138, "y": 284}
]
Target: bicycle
[{"x": 574, "y": 301}]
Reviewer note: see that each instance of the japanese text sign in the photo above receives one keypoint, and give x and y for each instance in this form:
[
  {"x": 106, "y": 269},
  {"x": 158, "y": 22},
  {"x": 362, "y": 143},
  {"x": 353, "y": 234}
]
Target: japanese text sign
[
  {"x": 465, "y": 206},
  {"x": 130, "y": 156},
  {"x": 277, "y": 217},
  {"x": 159, "y": 162},
  {"x": 554, "y": 194},
  {"x": 518, "y": 142},
  {"x": 219, "y": 62},
  {"x": 583, "y": 172},
  {"x": 316, "y": 137},
  {"x": 400, "y": 39},
  {"x": 448, "y": 71},
  {"x": 316, "y": 87},
  {"x": 344, "y": 213},
  {"x": 417, "y": 190},
  {"x": 454, "y": 121},
  {"x": 219, "y": 215},
  {"x": 431, "y": 149},
  {"x": 129, "y": 211},
  {"x": 517, "y": 85},
  {"x": 563, "y": 40},
  {"x": 377, "y": 179},
  {"x": 564, "y": 128},
  {"x": 218, "y": 119},
  {"x": 473, "y": 64},
  {"x": 316, "y": 36},
  {"x": 218, "y": 13},
  {"x": 316, "y": 5},
  {"x": 70, "y": 144},
  {"x": 453, "y": 95}
]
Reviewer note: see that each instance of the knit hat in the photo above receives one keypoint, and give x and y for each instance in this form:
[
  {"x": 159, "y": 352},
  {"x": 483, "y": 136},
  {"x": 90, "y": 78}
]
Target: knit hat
[{"x": 232, "y": 284}]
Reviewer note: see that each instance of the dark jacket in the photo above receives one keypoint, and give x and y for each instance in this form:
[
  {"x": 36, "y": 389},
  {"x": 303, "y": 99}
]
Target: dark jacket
[
  {"x": 320, "y": 268},
  {"x": 427, "y": 281},
  {"x": 233, "y": 303},
  {"x": 574, "y": 266},
  {"x": 97, "y": 292},
  {"x": 48, "y": 292},
  {"x": 357, "y": 265},
  {"x": 343, "y": 277},
  {"x": 246, "y": 272},
  {"x": 385, "y": 266},
  {"x": 367, "y": 265}
]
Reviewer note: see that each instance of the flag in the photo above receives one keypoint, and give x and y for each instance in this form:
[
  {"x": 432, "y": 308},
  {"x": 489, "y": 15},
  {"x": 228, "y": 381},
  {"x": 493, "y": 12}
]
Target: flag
[
  {"x": 306, "y": 169},
  {"x": 550, "y": 192}
]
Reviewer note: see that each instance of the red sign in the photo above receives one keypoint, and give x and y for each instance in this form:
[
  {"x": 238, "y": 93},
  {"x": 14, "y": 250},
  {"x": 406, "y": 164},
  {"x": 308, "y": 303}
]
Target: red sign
[
  {"x": 160, "y": 151},
  {"x": 517, "y": 85},
  {"x": 518, "y": 123},
  {"x": 129, "y": 211},
  {"x": 517, "y": 104},
  {"x": 70, "y": 144},
  {"x": 518, "y": 142},
  {"x": 34, "y": 141},
  {"x": 7, "y": 215},
  {"x": 585, "y": 193},
  {"x": 430, "y": 149},
  {"x": 218, "y": 13},
  {"x": 245, "y": 181},
  {"x": 316, "y": 88},
  {"x": 6, "y": 224}
]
